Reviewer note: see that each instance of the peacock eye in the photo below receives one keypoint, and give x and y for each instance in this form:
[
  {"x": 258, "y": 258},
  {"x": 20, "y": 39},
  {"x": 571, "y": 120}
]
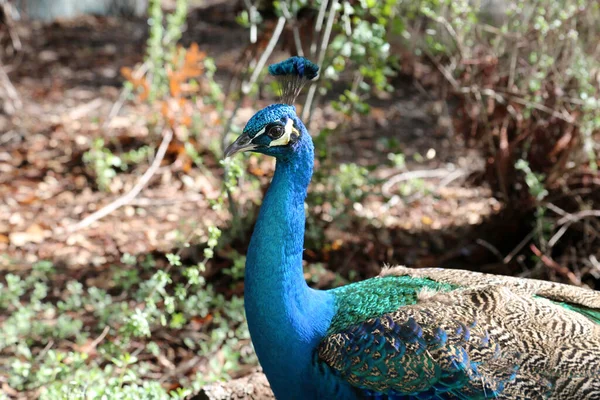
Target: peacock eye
[{"x": 276, "y": 131}]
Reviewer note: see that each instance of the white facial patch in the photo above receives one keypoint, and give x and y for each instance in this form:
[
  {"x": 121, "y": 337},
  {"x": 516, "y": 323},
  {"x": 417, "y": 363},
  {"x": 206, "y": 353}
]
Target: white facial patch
[
  {"x": 285, "y": 139},
  {"x": 259, "y": 133}
]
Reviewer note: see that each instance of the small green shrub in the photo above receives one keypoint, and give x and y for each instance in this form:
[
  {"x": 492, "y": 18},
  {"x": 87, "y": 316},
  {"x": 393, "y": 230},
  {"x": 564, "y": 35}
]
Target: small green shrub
[{"x": 526, "y": 85}]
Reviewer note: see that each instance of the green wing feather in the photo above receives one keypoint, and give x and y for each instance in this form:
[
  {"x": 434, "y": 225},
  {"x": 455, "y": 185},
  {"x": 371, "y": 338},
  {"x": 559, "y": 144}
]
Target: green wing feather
[{"x": 466, "y": 335}]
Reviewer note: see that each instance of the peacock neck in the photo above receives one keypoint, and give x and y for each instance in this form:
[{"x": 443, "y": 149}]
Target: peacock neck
[{"x": 286, "y": 318}]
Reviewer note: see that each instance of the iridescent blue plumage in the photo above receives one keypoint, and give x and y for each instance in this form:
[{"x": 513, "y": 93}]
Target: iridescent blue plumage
[
  {"x": 293, "y": 74},
  {"x": 411, "y": 334},
  {"x": 269, "y": 114},
  {"x": 295, "y": 66}
]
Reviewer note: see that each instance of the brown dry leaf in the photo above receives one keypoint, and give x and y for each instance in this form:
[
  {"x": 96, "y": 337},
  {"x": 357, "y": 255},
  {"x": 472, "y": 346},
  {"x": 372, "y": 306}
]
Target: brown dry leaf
[
  {"x": 193, "y": 61},
  {"x": 257, "y": 171},
  {"x": 175, "y": 81},
  {"x": 337, "y": 244},
  {"x": 8, "y": 390},
  {"x": 198, "y": 322},
  {"x": 89, "y": 347},
  {"x": 192, "y": 67},
  {"x": 34, "y": 234},
  {"x": 138, "y": 83}
]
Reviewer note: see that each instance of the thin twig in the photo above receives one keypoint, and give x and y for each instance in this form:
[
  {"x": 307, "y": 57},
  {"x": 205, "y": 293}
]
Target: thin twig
[
  {"x": 9, "y": 22},
  {"x": 518, "y": 248},
  {"x": 252, "y": 12},
  {"x": 594, "y": 261},
  {"x": 549, "y": 262},
  {"x": 447, "y": 74},
  {"x": 444, "y": 22},
  {"x": 504, "y": 97},
  {"x": 578, "y": 216},
  {"x": 419, "y": 174},
  {"x": 99, "y": 339},
  {"x": 125, "y": 199},
  {"x": 117, "y": 105},
  {"x": 44, "y": 351},
  {"x": 451, "y": 178},
  {"x": 84, "y": 109},
  {"x": 327, "y": 32},
  {"x": 513, "y": 67},
  {"x": 181, "y": 368},
  {"x": 556, "y": 209},
  {"x": 319, "y": 26},
  {"x": 567, "y": 220},
  {"x": 295, "y": 31},
  {"x": 556, "y": 237},
  {"x": 125, "y": 92},
  {"x": 306, "y": 111},
  {"x": 247, "y": 86},
  {"x": 150, "y": 202},
  {"x": 490, "y": 247},
  {"x": 11, "y": 92}
]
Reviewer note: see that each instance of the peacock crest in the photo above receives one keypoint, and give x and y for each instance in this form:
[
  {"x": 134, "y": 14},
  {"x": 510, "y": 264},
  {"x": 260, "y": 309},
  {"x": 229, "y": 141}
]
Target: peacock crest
[{"x": 292, "y": 75}]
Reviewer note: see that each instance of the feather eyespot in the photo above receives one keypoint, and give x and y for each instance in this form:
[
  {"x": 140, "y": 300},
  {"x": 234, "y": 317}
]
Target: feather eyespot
[{"x": 276, "y": 131}]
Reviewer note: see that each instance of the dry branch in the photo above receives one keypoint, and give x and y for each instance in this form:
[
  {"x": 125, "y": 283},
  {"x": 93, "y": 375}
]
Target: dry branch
[
  {"x": 448, "y": 176},
  {"x": 567, "y": 220},
  {"x": 556, "y": 267},
  {"x": 125, "y": 199},
  {"x": 13, "y": 101},
  {"x": 570, "y": 218}
]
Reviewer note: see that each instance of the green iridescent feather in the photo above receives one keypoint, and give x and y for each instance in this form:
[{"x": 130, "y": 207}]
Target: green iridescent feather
[{"x": 360, "y": 301}]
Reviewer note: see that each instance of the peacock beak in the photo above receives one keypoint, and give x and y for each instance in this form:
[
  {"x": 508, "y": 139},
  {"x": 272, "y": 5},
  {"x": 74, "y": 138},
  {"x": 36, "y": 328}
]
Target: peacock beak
[{"x": 242, "y": 143}]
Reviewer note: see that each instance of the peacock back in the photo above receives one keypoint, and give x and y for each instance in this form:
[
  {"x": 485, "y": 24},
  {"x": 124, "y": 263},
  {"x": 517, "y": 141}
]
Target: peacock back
[{"x": 450, "y": 334}]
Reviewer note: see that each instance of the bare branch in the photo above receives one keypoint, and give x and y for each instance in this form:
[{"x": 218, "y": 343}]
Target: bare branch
[
  {"x": 11, "y": 92},
  {"x": 518, "y": 248},
  {"x": 306, "y": 111},
  {"x": 421, "y": 174},
  {"x": 247, "y": 86},
  {"x": 295, "y": 31},
  {"x": 319, "y": 25},
  {"x": 567, "y": 220},
  {"x": 125, "y": 92},
  {"x": 570, "y": 218},
  {"x": 125, "y": 199},
  {"x": 252, "y": 13},
  {"x": 559, "y": 269}
]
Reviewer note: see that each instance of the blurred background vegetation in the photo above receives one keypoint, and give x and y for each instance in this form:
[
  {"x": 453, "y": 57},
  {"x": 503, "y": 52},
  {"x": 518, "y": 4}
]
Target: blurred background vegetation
[{"x": 450, "y": 133}]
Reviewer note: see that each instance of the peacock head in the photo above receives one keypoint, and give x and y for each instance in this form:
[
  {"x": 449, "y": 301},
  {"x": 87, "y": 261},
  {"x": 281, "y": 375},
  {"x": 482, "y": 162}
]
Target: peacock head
[{"x": 276, "y": 130}]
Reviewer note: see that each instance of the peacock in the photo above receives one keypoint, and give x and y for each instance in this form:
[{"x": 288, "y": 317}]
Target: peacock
[{"x": 409, "y": 333}]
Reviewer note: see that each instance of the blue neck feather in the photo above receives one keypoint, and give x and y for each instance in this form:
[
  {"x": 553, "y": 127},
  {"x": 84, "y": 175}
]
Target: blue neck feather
[{"x": 287, "y": 319}]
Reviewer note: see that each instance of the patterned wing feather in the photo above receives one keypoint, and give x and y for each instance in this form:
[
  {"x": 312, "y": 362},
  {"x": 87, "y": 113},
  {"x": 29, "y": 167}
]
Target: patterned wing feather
[
  {"x": 587, "y": 299},
  {"x": 495, "y": 340}
]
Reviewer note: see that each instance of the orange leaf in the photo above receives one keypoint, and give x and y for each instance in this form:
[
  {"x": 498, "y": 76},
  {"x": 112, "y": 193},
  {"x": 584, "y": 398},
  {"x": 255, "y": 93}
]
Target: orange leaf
[{"x": 127, "y": 73}]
